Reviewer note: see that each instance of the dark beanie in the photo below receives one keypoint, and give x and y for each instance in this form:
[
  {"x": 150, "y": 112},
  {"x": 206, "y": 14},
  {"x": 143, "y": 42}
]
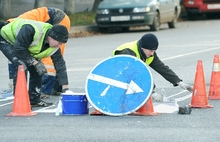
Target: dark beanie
[
  {"x": 149, "y": 41},
  {"x": 59, "y": 33}
]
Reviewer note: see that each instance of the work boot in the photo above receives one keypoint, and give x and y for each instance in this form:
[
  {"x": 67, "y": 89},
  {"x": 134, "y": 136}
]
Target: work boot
[
  {"x": 41, "y": 104},
  {"x": 44, "y": 96}
]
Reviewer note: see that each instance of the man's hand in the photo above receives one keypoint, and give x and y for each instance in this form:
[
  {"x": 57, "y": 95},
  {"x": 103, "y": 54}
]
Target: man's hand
[
  {"x": 185, "y": 86},
  {"x": 18, "y": 62},
  {"x": 31, "y": 61},
  {"x": 40, "y": 68}
]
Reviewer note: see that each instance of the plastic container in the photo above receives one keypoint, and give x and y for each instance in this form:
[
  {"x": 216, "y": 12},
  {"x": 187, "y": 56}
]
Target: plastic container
[{"x": 74, "y": 104}]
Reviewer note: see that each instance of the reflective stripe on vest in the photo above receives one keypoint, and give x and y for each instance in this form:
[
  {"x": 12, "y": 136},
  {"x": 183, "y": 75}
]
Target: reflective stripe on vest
[
  {"x": 133, "y": 46},
  {"x": 50, "y": 70}
]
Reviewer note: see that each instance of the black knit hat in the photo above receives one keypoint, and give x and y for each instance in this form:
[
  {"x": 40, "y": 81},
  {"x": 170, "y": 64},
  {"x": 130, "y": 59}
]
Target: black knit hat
[
  {"x": 59, "y": 33},
  {"x": 149, "y": 41}
]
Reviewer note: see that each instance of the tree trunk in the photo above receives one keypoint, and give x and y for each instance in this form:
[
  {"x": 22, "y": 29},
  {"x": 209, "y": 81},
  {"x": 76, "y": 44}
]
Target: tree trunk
[
  {"x": 69, "y": 7},
  {"x": 5, "y": 7},
  {"x": 95, "y": 5},
  {"x": 39, "y": 3}
]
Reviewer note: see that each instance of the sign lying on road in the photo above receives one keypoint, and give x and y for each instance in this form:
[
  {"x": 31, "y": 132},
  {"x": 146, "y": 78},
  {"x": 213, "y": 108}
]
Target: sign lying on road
[{"x": 119, "y": 85}]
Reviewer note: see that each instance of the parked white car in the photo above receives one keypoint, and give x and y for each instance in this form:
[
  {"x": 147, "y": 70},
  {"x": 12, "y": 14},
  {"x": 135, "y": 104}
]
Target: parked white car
[{"x": 127, "y": 13}]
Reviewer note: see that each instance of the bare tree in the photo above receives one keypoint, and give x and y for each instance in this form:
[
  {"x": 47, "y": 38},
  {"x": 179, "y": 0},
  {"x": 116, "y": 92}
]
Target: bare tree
[
  {"x": 5, "y": 6},
  {"x": 96, "y": 4},
  {"x": 69, "y": 7},
  {"x": 39, "y": 3}
]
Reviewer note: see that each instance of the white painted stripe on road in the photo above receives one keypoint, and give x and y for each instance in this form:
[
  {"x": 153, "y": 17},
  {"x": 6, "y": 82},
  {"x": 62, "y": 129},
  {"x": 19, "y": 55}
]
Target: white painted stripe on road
[
  {"x": 181, "y": 55},
  {"x": 8, "y": 98},
  {"x": 45, "y": 110},
  {"x": 183, "y": 98},
  {"x": 6, "y": 104},
  {"x": 177, "y": 94}
]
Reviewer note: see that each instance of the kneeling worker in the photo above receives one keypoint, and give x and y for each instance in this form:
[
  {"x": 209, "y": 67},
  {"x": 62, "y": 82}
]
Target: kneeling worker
[{"x": 145, "y": 49}]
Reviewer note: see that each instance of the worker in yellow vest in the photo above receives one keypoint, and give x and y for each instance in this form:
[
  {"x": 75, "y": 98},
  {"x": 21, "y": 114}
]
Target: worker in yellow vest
[
  {"x": 145, "y": 49},
  {"x": 26, "y": 42},
  {"x": 48, "y": 15}
]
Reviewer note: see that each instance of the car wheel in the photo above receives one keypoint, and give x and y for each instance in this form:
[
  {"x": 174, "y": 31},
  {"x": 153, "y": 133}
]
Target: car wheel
[
  {"x": 211, "y": 15},
  {"x": 125, "y": 29},
  {"x": 191, "y": 16},
  {"x": 172, "y": 24},
  {"x": 156, "y": 23},
  {"x": 103, "y": 30}
]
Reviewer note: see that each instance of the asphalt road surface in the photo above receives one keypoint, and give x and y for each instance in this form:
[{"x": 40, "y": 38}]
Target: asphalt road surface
[{"x": 180, "y": 48}]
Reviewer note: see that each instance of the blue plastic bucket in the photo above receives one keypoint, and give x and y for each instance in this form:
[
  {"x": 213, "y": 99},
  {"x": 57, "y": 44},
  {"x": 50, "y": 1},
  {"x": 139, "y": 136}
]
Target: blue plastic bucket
[{"x": 74, "y": 104}]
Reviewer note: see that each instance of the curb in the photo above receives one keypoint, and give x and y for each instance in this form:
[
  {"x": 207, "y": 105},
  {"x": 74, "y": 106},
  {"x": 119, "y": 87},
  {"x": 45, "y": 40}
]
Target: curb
[{"x": 87, "y": 28}]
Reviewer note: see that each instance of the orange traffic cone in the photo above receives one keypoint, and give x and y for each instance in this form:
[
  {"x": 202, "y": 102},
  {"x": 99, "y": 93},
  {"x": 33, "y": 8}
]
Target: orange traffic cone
[
  {"x": 146, "y": 110},
  {"x": 214, "y": 89},
  {"x": 96, "y": 112},
  {"x": 21, "y": 105},
  {"x": 199, "y": 96}
]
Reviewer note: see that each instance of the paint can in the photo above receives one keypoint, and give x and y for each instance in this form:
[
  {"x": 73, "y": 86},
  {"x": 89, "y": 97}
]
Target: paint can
[{"x": 74, "y": 104}]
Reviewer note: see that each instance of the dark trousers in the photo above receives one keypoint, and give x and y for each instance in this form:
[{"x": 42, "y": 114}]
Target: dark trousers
[
  {"x": 11, "y": 70},
  {"x": 34, "y": 80},
  {"x": 57, "y": 87},
  {"x": 48, "y": 84}
]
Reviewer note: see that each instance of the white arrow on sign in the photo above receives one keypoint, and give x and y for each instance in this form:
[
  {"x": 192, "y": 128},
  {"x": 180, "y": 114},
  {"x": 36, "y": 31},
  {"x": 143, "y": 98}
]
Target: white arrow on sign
[{"x": 131, "y": 88}]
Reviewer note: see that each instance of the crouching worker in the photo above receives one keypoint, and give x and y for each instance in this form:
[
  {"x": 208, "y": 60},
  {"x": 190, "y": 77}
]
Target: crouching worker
[
  {"x": 26, "y": 42},
  {"x": 145, "y": 50}
]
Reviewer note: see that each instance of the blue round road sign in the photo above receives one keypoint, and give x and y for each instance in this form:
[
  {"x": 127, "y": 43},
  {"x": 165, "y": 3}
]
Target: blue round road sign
[{"x": 119, "y": 85}]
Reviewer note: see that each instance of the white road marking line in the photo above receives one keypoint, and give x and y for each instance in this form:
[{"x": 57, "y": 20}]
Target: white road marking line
[
  {"x": 8, "y": 98},
  {"x": 43, "y": 109},
  {"x": 181, "y": 55},
  {"x": 177, "y": 94},
  {"x": 6, "y": 104},
  {"x": 183, "y": 98}
]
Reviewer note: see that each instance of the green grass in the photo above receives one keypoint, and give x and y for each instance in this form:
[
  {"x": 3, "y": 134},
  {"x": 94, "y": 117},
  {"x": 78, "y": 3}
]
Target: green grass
[{"x": 82, "y": 18}]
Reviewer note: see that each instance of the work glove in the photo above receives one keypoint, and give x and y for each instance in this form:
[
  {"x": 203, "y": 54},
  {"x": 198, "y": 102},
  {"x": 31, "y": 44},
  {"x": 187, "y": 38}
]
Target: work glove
[
  {"x": 157, "y": 97},
  {"x": 31, "y": 61},
  {"x": 40, "y": 68},
  {"x": 185, "y": 86},
  {"x": 18, "y": 62},
  {"x": 67, "y": 91},
  {"x": 38, "y": 65}
]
